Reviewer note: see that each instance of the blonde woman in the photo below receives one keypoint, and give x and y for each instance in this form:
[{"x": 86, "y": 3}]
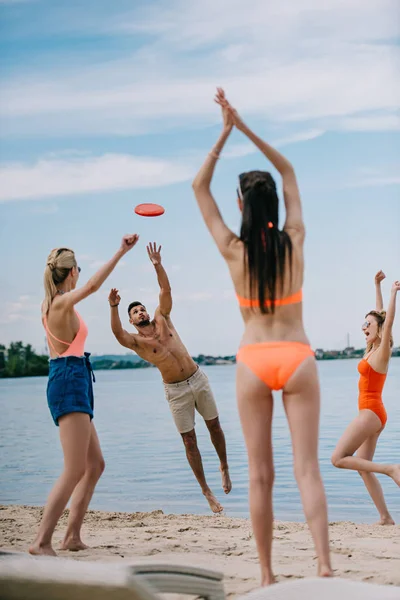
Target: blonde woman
[
  {"x": 362, "y": 435},
  {"x": 267, "y": 268},
  {"x": 70, "y": 393}
]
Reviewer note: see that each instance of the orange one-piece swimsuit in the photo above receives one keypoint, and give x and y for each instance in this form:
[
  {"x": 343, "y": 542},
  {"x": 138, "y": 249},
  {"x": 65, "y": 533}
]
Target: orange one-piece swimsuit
[{"x": 370, "y": 388}]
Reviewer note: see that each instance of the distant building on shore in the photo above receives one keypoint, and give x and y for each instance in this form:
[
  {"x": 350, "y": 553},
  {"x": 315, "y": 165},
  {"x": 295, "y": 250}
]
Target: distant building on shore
[{"x": 349, "y": 351}]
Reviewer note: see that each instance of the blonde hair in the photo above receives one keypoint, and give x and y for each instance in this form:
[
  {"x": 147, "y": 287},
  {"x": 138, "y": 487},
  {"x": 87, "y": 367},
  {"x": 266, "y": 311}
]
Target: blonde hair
[
  {"x": 58, "y": 266},
  {"x": 380, "y": 316}
]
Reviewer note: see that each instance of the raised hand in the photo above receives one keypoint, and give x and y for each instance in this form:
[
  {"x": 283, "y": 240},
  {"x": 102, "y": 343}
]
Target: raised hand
[
  {"x": 224, "y": 104},
  {"x": 232, "y": 114},
  {"x": 114, "y": 298},
  {"x": 128, "y": 241},
  {"x": 396, "y": 286},
  {"x": 154, "y": 254},
  {"x": 380, "y": 276}
]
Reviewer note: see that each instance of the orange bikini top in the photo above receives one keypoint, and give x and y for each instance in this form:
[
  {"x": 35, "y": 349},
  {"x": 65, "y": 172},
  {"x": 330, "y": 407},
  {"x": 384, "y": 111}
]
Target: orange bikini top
[
  {"x": 250, "y": 302},
  {"x": 77, "y": 346}
]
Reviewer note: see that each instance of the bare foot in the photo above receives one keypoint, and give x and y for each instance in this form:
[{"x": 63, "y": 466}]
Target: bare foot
[
  {"x": 386, "y": 521},
  {"x": 226, "y": 480},
  {"x": 325, "y": 571},
  {"x": 215, "y": 506},
  {"x": 41, "y": 550},
  {"x": 395, "y": 474},
  {"x": 73, "y": 545},
  {"x": 268, "y": 579}
]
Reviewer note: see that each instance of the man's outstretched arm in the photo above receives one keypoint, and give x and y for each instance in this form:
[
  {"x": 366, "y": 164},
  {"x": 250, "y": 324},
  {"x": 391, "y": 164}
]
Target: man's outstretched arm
[
  {"x": 165, "y": 302},
  {"x": 125, "y": 339}
]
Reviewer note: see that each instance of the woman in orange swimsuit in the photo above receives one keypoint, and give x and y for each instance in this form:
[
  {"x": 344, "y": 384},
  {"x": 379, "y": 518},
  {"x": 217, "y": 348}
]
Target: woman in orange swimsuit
[
  {"x": 362, "y": 435},
  {"x": 70, "y": 394},
  {"x": 266, "y": 266}
]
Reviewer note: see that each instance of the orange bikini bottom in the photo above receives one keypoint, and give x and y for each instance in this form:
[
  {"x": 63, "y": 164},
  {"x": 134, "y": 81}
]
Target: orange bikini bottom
[
  {"x": 274, "y": 362},
  {"x": 368, "y": 402}
]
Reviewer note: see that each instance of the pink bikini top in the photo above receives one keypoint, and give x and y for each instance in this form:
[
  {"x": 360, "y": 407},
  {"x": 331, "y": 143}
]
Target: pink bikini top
[{"x": 77, "y": 346}]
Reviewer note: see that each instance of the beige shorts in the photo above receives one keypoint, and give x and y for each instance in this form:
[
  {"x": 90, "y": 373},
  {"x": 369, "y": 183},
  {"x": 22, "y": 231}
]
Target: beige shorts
[{"x": 186, "y": 396}]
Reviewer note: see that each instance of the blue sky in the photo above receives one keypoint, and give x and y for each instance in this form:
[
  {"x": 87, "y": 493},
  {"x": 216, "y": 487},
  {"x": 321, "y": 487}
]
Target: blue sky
[{"x": 106, "y": 105}]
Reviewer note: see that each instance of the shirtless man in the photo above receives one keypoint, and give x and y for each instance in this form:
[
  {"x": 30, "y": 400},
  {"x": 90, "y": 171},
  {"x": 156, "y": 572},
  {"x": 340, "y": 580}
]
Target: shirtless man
[{"x": 186, "y": 386}]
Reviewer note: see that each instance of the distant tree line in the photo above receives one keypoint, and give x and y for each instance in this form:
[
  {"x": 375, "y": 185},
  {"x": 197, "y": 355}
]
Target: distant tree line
[
  {"x": 19, "y": 360},
  {"x": 22, "y": 361},
  {"x": 104, "y": 364}
]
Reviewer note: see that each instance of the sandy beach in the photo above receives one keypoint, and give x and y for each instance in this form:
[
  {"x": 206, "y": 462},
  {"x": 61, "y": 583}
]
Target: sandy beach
[{"x": 361, "y": 552}]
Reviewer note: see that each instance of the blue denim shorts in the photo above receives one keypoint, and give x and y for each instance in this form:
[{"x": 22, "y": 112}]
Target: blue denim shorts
[{"x": 70, "y": 386}]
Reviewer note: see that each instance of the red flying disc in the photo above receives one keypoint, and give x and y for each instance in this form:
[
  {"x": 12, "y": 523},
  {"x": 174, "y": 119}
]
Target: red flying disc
[{"x": 149, "y": 210}]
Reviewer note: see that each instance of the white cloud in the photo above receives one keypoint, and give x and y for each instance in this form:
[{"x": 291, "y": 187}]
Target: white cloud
[
  {"x": 299, "y": 137},
  {"x": 291, "y": 61},
  {"x": 238, "y": 150},
  {"x": 26, "y": 308},
  {"x": 375, "y": 177},
  {"x": 12, "y": 318},
  {"x": 9, "y": 318},
  {"x": 375, "y": 182},
  {"x": 77, "y": 174},
  {"x": 390, "y": 122},
  {"x": 245, "y": 149},
  {"x": 305, "y": 89},
  {"x": 201, "y": 24},
  {"x": 49, "y": 178}
]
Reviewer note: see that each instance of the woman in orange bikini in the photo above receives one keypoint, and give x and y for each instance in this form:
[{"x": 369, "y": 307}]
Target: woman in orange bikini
[
  {"x": 266, "y": 266},
  {"x": 362, "y": 435},
  {"x": 70, "y": 394}
]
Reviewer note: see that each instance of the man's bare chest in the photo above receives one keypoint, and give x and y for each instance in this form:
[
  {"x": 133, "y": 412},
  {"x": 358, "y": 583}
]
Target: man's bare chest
[{"x": 162, "y": 341}]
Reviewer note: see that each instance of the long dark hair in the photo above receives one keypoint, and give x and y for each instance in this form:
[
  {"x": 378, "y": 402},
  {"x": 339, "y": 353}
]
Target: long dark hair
[{"x": 268, "y": 250}]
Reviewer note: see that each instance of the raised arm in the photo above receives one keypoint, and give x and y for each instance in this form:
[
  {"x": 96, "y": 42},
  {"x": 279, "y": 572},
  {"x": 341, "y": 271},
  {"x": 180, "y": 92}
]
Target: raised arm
[
  {"x": 379, "y": 277},
  {"x": 385, "y": 349},
  {"x": 165, "y": 300},
  {"x": 291, "y": 194},
  {"x": 96, "y": 281},
  {"x": 124, "y": 337},
  {"x": 222, "y": 235}
]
